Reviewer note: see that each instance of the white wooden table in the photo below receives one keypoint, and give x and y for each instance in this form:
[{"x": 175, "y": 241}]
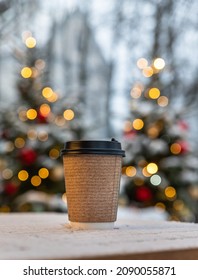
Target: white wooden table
[{"x": 48, "y": 236}]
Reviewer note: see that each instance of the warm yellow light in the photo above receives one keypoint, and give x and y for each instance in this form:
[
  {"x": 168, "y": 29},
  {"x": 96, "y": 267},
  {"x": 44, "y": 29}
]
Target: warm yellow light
[
  {"x": 154, "y": 93},
  {"x": 30, "y": 42},
  {"x": 130, "y": 171},
  {"x": 23, "y": 175},
  {"x": 175, "y": 148},
  {"x": 170, "y": 192},
  {"x": 31, "y": 114},
  {"x": 43, "y": 173},
  {"x": 53, "y": 98},
  {"x": 145, "y": 172},
  {"x": 162, "y": 101},
  {"x": 68, "y": 114},
  {"x": 153, "y": 132},
  {"x": 159, "y": 63},
  {"x": 45, "y": 110},
  {"x": 7, "y": 174},
  {"x": 152, "y": 168},
  {"x": 147, "y": 72},
  {"x": 138, "y": 124},
  {"x": 19, "y": 142},
  {"x": 36, "y": 181},
  {"x": 142, "y": 63},
  {"x": 47, "y": 92},
  {"x": 26, "y": 72},
  {"x": 54, "y": 153}
]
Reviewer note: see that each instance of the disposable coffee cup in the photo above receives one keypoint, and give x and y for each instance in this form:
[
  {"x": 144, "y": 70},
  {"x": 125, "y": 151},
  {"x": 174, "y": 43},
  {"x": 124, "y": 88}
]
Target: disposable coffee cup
[{"x": 92, "y": 172}]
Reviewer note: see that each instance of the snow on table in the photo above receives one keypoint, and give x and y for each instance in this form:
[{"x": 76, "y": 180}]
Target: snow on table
[{"x": 48, "y": 236}]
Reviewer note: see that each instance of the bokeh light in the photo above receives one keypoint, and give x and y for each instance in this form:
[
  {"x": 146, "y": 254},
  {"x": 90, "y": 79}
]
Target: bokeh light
[
  {"x": 31, "y": 114},
  {"x": 147, "y": 72},
  {"x": 35, "y": 181},
  {"x": 54, "y": 153},
  {"x": 145, "y": 172},
  {"x": 23, "y": 175},
  {"x": 7, "y": 174},
  {"x": 153, "y": 131},
  {"x": 159, "y": 63},
  {"x": 19, "y": 142},
  {"x": 170, "y": 192},
  {"x": 135, "y": 92},
  {"x": 130, "y": 171},
  {"x": 30, "y": 42},
  {"x": 154, "y": 93},
  {"x": 152, "y": 168},
  {"x": 45, "y": 110},
  {"x": 43, "y": 173},
  {"x": 155, "y": 180},
  {"x": 43, "y": 135},
  {"x": 47, "y": 92},
  {"x": 162, "y": 101},
  {"x": 138, "y": 124},
  {"x": 142, "y": 63},
  {"x": 26, "y": 72},
  {"x": 59, "y": 121},
  {"x": 23, "y": 115},
  {"x": 68, "y": 114},
  {"x": 175, "y": 148},
  {"x": 32, "y": 134}
]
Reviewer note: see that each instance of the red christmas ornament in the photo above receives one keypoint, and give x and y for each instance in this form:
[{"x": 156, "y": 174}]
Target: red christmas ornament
[
  {"x": 41, "y": 118},
  {"x": 10, "y": 188},
  {"x": 28, "y": 156},
  {"x": 143, "y": 194},
  {"x": 185, "y": 148}
]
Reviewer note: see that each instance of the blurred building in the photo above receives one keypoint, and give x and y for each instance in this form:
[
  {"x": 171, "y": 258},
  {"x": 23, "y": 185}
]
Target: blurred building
[{"x": 78, "y": 71}]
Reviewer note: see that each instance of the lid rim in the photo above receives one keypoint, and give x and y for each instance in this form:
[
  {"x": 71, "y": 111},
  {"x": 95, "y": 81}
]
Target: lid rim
[
  {"x": 92, "y": 151},
  {"x": 112, "y": 147}
]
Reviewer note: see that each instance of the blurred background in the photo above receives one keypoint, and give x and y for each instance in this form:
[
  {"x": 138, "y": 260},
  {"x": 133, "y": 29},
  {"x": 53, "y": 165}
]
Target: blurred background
[{"x": 95, "y": 70}]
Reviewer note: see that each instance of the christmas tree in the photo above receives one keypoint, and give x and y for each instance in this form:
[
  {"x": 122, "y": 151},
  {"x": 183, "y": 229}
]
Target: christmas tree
[
  {"x": 32, "y": 133},
  {"x": 160, "y": 169}
]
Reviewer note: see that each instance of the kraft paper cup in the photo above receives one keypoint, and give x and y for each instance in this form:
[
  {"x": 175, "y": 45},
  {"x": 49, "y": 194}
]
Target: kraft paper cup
[{"x": 92, "y": 172}]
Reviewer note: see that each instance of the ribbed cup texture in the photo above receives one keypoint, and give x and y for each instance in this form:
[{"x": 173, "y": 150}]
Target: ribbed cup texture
[{"x": 92, "y": 187}]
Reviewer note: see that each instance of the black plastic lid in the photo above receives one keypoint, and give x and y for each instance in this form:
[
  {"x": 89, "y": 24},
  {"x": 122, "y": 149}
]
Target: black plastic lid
[{"x": 112, "y": 147}]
